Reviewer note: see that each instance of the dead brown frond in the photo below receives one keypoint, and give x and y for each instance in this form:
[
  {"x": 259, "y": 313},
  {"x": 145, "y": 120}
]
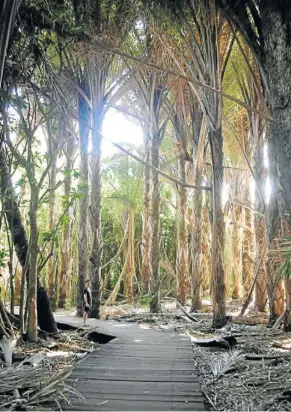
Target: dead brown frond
[{"x": 34, "y": 388}]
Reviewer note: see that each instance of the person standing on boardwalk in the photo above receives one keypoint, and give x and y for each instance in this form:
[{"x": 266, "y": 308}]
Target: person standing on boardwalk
[{"x": 87, "y": 297}]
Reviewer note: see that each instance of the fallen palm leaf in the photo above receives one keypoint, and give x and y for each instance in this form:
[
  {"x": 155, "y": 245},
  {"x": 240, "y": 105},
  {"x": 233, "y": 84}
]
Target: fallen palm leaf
[
  {"x": 225, "y": 363},
  {"x": 32, "y": 388}
]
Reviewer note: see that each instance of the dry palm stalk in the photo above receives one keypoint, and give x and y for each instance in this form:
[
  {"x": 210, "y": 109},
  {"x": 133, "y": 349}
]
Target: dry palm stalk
[
  {"x": 30, "y": 388},
  {"x": 186, "y": 313},
  {"x": 244, "y": 308}
]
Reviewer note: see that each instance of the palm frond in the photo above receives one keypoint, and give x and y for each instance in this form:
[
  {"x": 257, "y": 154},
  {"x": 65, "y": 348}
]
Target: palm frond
[{"x": 225, "y": 363}]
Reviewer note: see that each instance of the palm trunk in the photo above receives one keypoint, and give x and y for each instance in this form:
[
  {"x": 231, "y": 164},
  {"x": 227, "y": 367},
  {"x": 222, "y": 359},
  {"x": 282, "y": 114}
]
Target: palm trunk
[
  {"x": 51, "y": 265},
  {"x": 198, "y": 267},
  {"x": 287, "y": 326},
  {"x": 146, "y": 269},
  {"x": 228, "y": 260},
  {"x": 17, "y": 287},
  {"x": 247, "y": 264},
  {"x": 236, "y": 271},
  {"x": 182, "y": 235},
  {"x": 32, "y": 286},
  {"x": 236, "y": 251},
  {"x": 155, "y": 226},
  {"x": 95, "y": 208},
  {"x": 260, "y": 232},
  {"x": 277, "y": 63},
  {"x": 218, "y": 276},
  {"x": 236, "y": 237},
  {"x": 274, "y": 286},
  {"x": 65, "y": 265},
  {"x": 197, "y": 242},
  {"x": 18, "y": 270},
  {"x": 206, "y": 264},
  {"x": 286, "y": 234},
  {"x": 130, "y": 270},
  {"x": 84, "y": 131},
  {"x": 66, "y": 243},
  {"x": 274, "y": 283}
]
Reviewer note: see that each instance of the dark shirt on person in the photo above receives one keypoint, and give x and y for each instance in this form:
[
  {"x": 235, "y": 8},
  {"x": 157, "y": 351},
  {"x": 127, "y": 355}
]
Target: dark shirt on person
[{"x": 87, "y": 292}]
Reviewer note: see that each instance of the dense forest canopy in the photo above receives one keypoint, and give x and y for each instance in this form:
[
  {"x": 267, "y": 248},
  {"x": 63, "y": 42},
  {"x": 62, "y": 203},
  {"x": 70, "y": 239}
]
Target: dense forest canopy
[{"x": 200, "y": 209}]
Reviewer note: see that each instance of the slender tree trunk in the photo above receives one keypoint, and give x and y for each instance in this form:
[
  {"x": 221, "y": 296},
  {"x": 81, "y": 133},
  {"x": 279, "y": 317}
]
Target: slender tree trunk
[
  {"x": 286, "y": 234},
  {"x": 130, "y": 270},
  {"x": 44, "y": 313},
  {"x": 33, "y": 250},
  {"x": 218, "y": 276},
  {"x": 8, "y": 10},
  {"x": 95, "y": 208},
  {"x": 198, "y": 267},
  {"x": 182, "y": 235},
  {"x": 11, "y": 281},
  {"x": 66, "y": 242},
  {"x": 155, "y": 226},
  {"x": 247, "y": 264},
  {"x": 84, "y": 131},
  {"x": 17, "y": 286},
  {"x": 197, "y": 242},
  {"x": 228, "y": 260},
  {"x": 236, "y": 236},
  {"x": 206, "y": 264},
  {"x": 51, "y": 265},
  {"x": 65, "y": 265},
  {"x": 274, "y": 286},
  {"x": 10, "y": 267},
  {"x": 274, "y": 283},
  {"x": 145, "y": 248},
  {"x": 260, "y": 230},
  {"x": 236, "y": 251},
  {"x": 276, "y": 27}
]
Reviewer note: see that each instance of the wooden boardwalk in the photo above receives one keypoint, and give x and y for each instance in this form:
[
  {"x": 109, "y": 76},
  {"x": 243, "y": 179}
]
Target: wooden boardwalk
[{"x": 141, "y": 370}]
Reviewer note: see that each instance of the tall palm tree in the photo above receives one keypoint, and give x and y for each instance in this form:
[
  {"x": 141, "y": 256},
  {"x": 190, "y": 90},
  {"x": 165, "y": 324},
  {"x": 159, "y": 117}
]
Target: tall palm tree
[
  {"x": 65, "y": 270},
  {"x": 124, "y": 178},
  {"x": 199, "y": 60},
  {"x": 182, "y": 270}
]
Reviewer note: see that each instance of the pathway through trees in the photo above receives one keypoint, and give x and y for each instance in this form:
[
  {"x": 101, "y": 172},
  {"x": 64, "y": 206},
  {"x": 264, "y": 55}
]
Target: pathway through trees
[{"x": 141, "y": 370}]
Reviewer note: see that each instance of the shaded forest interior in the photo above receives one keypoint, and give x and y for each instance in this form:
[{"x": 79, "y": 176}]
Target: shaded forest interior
[{"x": 198, "y": 208}]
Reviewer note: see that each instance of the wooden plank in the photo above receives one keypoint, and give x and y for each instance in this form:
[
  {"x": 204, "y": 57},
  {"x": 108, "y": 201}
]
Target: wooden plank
[
  {"x": 142, "y": 369},
  {"x": 133, "y": 397},
  {"x": 128, "y": 349},
  {"x": 150, "y": 347},
  {"x": 137, "y": 363},
  {"x": 138, "y": 387},
  {"x": 134, "y": 394},
  {"x": 111, "y": 405},
  {"x": 179, "y": 353},
  {"x": 146, "y": 353},
  {"x": 143, "y": 397},
  {"x": 162, "y": 378},
  {"x": 124, "y": 367},
  {"x": 136, "y": 355}
]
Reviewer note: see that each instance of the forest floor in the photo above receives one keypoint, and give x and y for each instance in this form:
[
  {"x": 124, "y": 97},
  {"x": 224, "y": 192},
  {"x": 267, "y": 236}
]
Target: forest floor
[
  {"x": 242, "y": 367},
  {"x": 36, "y": 378}
]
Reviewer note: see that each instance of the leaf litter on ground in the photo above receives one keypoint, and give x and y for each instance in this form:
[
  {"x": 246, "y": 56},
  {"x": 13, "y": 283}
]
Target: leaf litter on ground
[{"x": 37, "y": 378}]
